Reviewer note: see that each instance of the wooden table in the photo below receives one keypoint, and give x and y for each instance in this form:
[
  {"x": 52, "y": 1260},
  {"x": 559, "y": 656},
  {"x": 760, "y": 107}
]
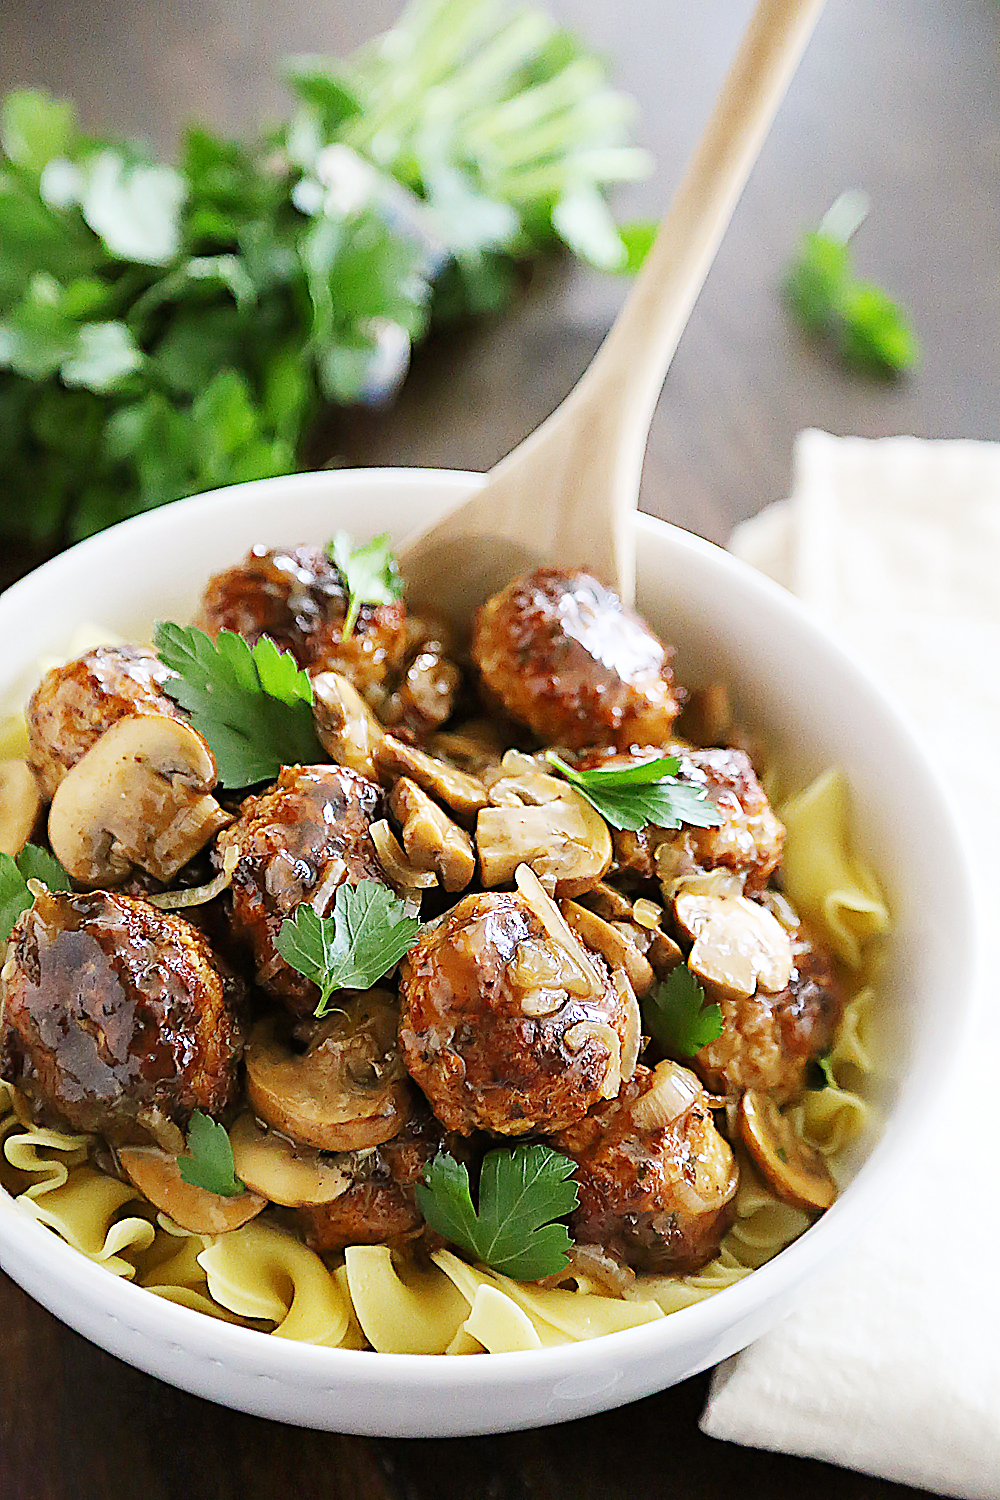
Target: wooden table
[{"x": 901, "y": 98}]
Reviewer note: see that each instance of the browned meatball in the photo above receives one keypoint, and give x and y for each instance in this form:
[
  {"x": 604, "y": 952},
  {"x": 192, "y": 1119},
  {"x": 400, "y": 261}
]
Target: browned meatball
[
  {"x": 768, "y": 1040},
  {"x": 298, "y": 841},
  {"x": 657, "y": 1182},
  {"x": 298, "y": 598},
  {"x": 73, "y": 705},
  {"x": 424, "y": 696},
  {"x": 501, "y": 1028},
  {"x": 564, "y": 657},
  {"x": 380, "y": 1207},
  {"x": 116, "y": 1014},
  {"x": 749, "y": 840}
]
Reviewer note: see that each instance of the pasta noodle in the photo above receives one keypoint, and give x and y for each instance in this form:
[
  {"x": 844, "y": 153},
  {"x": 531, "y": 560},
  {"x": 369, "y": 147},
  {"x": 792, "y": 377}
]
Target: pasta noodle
[{"x": 263, "y": 1277}]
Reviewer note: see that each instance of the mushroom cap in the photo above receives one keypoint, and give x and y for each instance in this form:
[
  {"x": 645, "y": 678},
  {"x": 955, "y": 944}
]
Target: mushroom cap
[
  {"x": 347, "y": 1090},
  {"x": 794, "y": 1171},
  {"x": 20, "y": 804},
  {"x": 138, "y": 797},
  {"x": 348, "y": 730},
  {"x": 282, "y": 1171},
  {"x": 158, "y": 1177},
  {"x": 541, "y": 821}
]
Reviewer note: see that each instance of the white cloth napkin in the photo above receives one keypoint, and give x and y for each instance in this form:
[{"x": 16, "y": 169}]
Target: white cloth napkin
[{"x": 893, "y": 1365}]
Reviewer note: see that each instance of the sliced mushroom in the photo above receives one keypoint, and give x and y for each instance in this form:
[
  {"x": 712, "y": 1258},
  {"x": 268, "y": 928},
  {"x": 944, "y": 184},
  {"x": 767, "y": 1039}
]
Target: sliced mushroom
[
  {"x": 20, "y": 804},
  {"x": 552, "y": 828},
  {"x": 475, "y": 747},
  {"x": 404, "y": 874},
  {"x": 282, "y": 1171},
  {"x": 348, "y": 730},
  {"x": 158, "y": 1178},
  {"x": 607, "y": 902},
  {"x": 464, "y": 794},
  {"x": 795, "y": 1172},
  {"x": 346, "y": 1091},
  {"x": 738, "y": 944},
  {"x": 138, "y": 797},
  {"x": 432, "y": 840},
  {"x": 611, "y": 943}
]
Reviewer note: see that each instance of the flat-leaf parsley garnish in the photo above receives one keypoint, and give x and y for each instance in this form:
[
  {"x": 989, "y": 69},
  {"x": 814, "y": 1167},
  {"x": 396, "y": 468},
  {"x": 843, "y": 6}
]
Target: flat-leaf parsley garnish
[
  {"x": 370, "y": 572},
  {"x": 366, "y": 936},
  {"x": 678, "y": 1017},
  {"x": 32, "y": 863},
  {"x": 209, "y": 1160},
  {"x": 521, "y": 1192},
  {"x": 253, "y": 705},
  {"x": 819, "y": 1074},
  {"x": 649, "y": 791}
]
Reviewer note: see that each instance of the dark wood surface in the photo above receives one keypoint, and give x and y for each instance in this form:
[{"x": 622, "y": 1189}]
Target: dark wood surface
[{"x": 902, "y": 98}]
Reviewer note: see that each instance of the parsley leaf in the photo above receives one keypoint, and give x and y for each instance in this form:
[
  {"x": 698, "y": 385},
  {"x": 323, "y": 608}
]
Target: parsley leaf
[
  {"x": 819, "y": 1074},
  {"x": 32, "y": 863},
  {"x": 678, "y": 1017},
  {"x": 649, "y": 792},
  {"x": 253, "y": 706},
  {"x": 521, "y": 1191},
  {"x": 209, "y": 1162},
  {"x": 370, "y": 572},
  {"x": 364, "y": 939},
  {"x": 820, "y": 289}
]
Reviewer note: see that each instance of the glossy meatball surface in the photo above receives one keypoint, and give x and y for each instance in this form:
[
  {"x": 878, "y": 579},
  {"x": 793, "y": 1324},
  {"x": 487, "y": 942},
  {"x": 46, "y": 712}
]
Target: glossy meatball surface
[
  {"x": 767, "y": 1040},
  {"x": 380, "y": 1206},
  {"x": 74, "y": 704},
  {"x": 656, "y": 1192},
  {"x": 113, "y": 1009},
  {"x": 563, "y": 656},
  {"x": 297, "y": 596},
  {"x": 749, "y": 840},
  {"x": 298, "y": 841},
  {"x": 500, "y": 1028}
]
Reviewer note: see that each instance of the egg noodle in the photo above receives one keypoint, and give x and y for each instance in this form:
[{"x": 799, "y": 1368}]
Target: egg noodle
[{"x": 261, "y": 1276}]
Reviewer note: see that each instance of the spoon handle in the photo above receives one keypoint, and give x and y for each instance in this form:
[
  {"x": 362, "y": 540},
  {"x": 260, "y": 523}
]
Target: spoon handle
[{"x": 566, "y": 494}]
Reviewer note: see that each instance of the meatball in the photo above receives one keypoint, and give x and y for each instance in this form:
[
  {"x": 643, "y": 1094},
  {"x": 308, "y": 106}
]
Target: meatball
[
  {"x": 299, "y": 599},
  {"x": 298, "y": 841},
  {"x": 657, "y": 1182},
  {"x": 767, "y": 1041},
  {"x": 564, "y": 657},
  {"x": 73, "y": 705},
  {"x": 424, "y": 696},
  {"x": 503, "y": 1029},
  {"x": 749, "y": 840},
  {"x": 380, "y": 1206},
  {"x": 115, "y": 1015}
]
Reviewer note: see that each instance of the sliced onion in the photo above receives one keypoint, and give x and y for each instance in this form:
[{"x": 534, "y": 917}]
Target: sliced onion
[
  {"x": 633, "y": 1022},
  {"x": 577, "y": 1037},
  {"x": 552, "y": 919},
  {"x": 198, "y": 895},
  {"x": 671, "y": 1094}
]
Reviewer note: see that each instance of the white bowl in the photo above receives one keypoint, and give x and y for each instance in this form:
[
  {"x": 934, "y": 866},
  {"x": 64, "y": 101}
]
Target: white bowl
[{"x": 793, "y": 682}]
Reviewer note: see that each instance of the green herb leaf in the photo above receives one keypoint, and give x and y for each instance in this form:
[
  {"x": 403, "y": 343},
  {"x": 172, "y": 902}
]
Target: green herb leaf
[
  {"x": 32, "y": 863},
  {"x": 370, "y": 572},
  {"x": 364, "y": 939},
  {"x": 678, "y": 1017},
  {"x": 819, "y": 287},
  {"x": 649, "y": 792},
  {"x": 637, "y": 238},
  {"x": 253, "y": 706},
  {"x": 819, "y": 1074},
  {"x": 209, "y": 1162},
  {"x": 34, "y": 127},
  {"x": 521, "y": 1191}
]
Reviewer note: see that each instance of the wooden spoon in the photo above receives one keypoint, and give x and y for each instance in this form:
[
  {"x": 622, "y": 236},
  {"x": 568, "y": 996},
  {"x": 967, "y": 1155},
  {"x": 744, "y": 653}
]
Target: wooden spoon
[{"x": 565, "y": 495}]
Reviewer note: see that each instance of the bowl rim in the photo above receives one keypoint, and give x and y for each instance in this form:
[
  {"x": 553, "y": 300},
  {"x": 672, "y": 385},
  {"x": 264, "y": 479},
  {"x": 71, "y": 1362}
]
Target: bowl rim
[{"x": 865, "y": 1197}]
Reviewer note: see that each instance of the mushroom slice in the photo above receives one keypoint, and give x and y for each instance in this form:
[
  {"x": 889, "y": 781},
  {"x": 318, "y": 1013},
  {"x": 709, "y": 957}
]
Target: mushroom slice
[
  {"x": 464, "y": 794},
  {"x": 280, "y": 1170},
  {"x": 738, "y": 945},
  {"x": 158, "y": 1178},
  {"x": 398, "y": 866},
  {"x": 611, "y": 943},
  {"x": 138, "y": 797},
  {"x": 432, "y": 840},
  {"x": 20, "y": 804},
  {"x": 347, "y": 729},
  {"x": 346, "y": 1091},
  {"x": 562, "y": 838},
  {"x": 795, "y": 1172}
]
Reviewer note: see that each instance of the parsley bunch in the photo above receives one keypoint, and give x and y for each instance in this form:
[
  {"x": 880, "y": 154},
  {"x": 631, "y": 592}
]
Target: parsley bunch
[
  {"x": 168, "y": 328},
  {"x": 820, "y": 288}
]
